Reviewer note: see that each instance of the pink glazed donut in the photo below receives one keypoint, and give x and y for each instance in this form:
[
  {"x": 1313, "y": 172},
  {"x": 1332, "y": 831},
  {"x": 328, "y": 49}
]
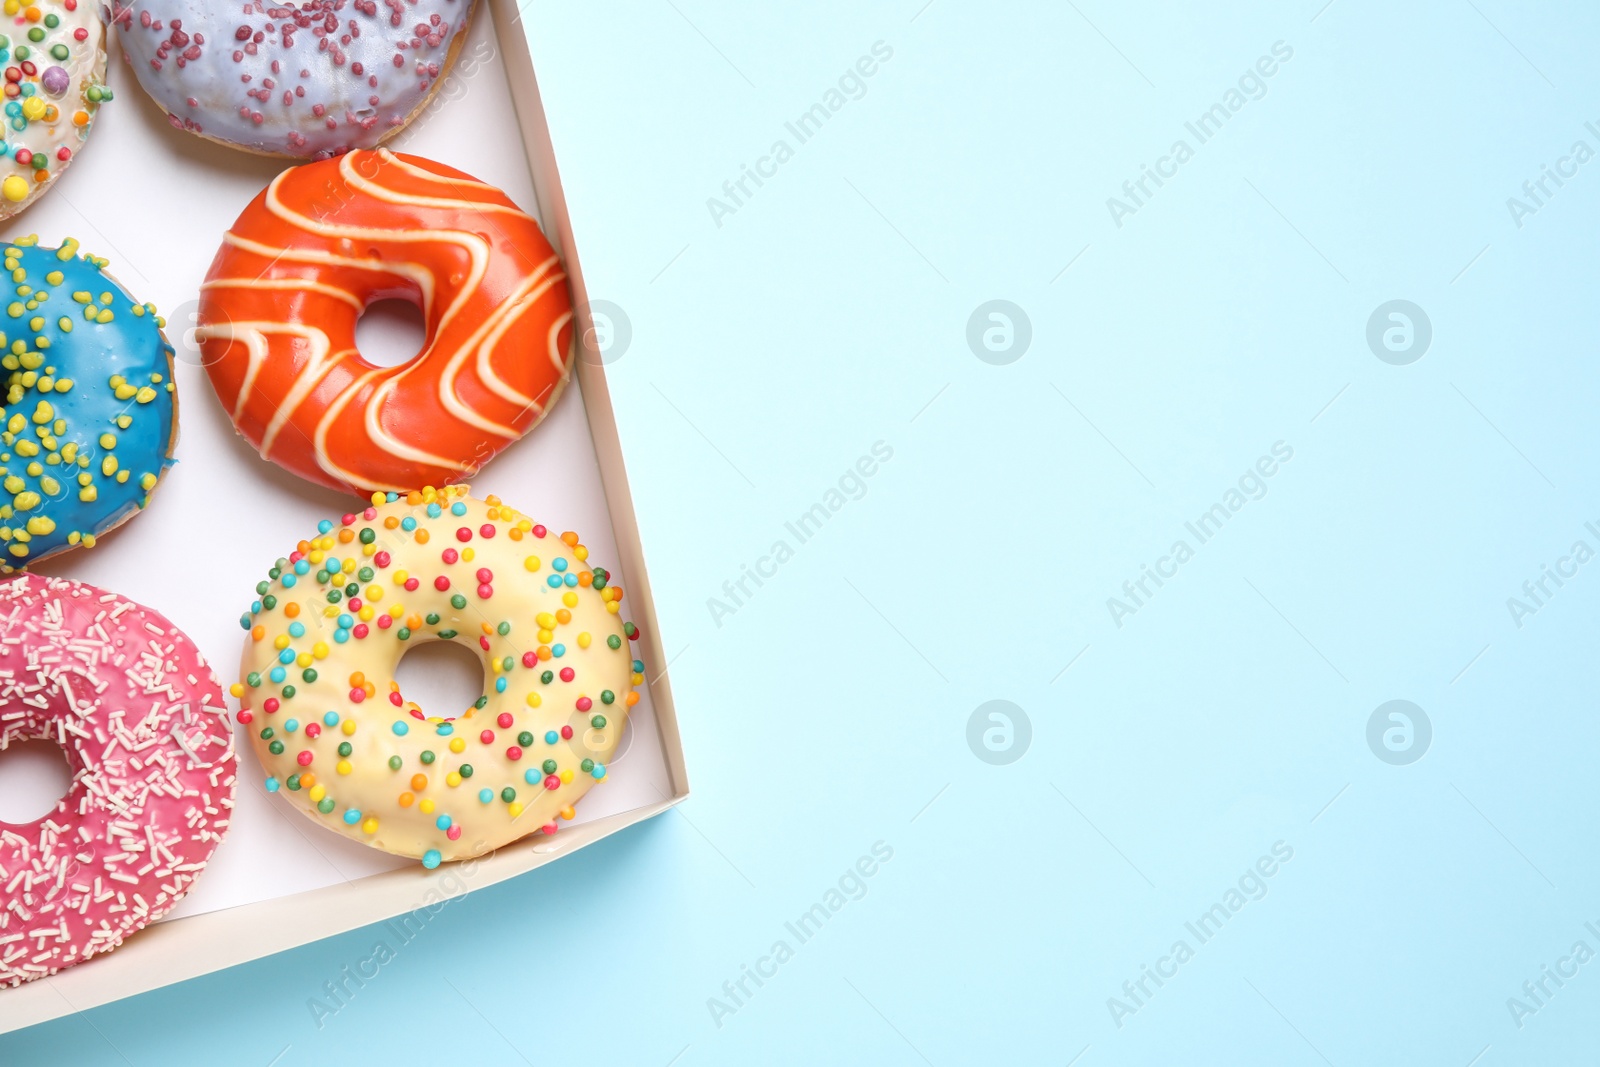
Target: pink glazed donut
[
  {"x": 138, "y": 712},
  {"x": 307, "y": 79}
]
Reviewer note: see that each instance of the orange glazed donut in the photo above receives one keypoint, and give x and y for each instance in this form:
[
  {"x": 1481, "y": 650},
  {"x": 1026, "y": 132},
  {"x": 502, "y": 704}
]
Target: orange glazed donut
[{"x": 278, "y": 311}]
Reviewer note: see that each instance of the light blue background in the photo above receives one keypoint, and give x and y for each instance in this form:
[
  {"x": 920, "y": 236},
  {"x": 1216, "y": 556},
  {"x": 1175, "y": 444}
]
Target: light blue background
[{"x": 830, "y": 711}]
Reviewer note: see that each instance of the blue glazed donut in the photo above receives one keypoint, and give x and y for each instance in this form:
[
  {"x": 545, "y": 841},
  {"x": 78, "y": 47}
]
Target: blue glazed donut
[{"x": 90, "y": 418}]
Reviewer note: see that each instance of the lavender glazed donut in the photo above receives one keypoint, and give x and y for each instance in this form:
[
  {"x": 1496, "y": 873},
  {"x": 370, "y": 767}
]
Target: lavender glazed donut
[{"x": 306, "y": 79}]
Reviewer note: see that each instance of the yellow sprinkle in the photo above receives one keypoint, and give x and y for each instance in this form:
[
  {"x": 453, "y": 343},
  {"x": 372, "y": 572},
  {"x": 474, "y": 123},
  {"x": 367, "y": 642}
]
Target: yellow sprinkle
[
  {"x": 426, "y": 807},
  {"x": 26, "y": 500},
  {"x": 64, "y": 385},
  {"x": 534, "y": 700},
  {"x": 108, "y": 441},
  {"x": 458, "y": 744},
  {"x": 124, "y": 421},
  {"x": 370, "y": 826},
  {"x": 55, "y": 277},
  {"x": 317, "y": 793},
  {"x": 348, "y": 727},
  {"x": 83, "y": 297},
  {"x": 108, "y": 466},
  {"x": 50, "y": 486},
  {"x": 584, "y": 639},
  {"x": 452, "y": 779},
  {"x": 514, "y": 809},
  {"x": 16, "y": 549},
  {"x": 89, "y": 495},
  {"x": 570, "y": 599},
  {"x": 343, "y": 766},
  {"x": 147, "y": 481},
  {"x": 105, "y": 298},
  {"x": 531, "y": 563},
  {"x": 105, "y": 316}
]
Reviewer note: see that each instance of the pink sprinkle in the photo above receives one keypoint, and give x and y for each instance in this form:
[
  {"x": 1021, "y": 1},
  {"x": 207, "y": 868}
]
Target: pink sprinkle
[
  {"x": 487, "y": 737},
  {"x": 305, "y": 757},
  {"x": 566, "y": 674},
  {"x": 441, "y": 583},
  {"x": 357, "y": 695},
  {"x": 584, "y": 704},
  {"x": 505, "y": 720}
]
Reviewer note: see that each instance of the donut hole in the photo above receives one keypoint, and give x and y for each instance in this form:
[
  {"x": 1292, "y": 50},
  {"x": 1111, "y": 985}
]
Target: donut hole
[
  {"x": 391, "y": 332},
  {"x": 34, "y": 776},
  {"x": 442, "y": 677}
]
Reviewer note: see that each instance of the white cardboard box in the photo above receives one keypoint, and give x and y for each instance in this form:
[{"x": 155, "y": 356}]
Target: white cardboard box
[{"x": 156, "y": 202}]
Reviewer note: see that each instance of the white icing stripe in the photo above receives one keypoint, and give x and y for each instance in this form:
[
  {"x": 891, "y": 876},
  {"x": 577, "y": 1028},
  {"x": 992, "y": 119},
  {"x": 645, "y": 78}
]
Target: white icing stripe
[
  {"x": 387, "y": 441},
  {"x": 295, "y": 284},
  {"x": 417, "y": 274},
  {"x": 557, "y": 357},
  {"x": 392, "y": 196},
  {"x": 320, "y": 438},
  {"x": 486, "y": 347}
]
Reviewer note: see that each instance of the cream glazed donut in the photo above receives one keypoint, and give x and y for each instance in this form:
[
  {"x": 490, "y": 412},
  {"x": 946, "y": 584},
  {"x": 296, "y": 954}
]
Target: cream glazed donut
[
  {"x": 302, "y": 78},
  {"x": 144, "y": 727},
  {"x": 53, "y": 56},
  {"x": 338, "y": 738}
]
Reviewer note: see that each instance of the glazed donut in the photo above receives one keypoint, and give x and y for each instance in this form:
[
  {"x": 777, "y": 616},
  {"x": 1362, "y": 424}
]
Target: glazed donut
[
  {"x": 90, "y": 418},
  {"x": 308, "y": 79},
  {"x": 53, "y": 53},
  {"x": 145, "y": 729},
  {"x": 278, "y": 311},
  {"x": 339, "y": 739}
]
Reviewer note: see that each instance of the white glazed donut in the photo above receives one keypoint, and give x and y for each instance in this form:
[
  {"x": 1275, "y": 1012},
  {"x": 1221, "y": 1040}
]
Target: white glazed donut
[
  {"x": 307, "y": 79},
  {"x": 53, "y": 58}
]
